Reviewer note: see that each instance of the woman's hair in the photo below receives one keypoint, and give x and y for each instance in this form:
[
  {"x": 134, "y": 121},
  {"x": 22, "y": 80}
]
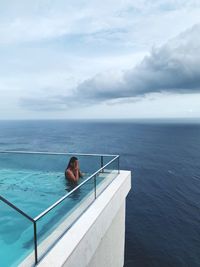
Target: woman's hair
[{"x": 72, "y": 160}]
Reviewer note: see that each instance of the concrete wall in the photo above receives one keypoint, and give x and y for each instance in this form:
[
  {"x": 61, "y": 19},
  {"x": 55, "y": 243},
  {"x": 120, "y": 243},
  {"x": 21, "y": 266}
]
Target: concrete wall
[
  {"x": 97, "y": 237},
  {"x": 110, "y": 251}
]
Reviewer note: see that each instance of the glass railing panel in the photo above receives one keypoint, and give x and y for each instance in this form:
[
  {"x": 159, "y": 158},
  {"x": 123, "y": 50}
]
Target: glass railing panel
[
  {"x": 55, "y": 223},
  {"x": 16, "y": 237},
  {"x": 107, "y": 175},
  {"x": 34, "y": 161},
  {"x": 107, "y": 158},
  {"x": 48, "y": 162},
  {"x": 89, "y": 163},
  {"x": 34, "y": 181}
]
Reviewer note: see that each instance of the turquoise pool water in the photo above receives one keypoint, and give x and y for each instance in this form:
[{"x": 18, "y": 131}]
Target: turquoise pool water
[{"x": 33, "y": 191}]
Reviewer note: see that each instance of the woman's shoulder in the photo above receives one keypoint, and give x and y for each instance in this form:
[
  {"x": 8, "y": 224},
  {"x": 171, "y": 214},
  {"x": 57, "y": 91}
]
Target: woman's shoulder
[{"x": 67, "y": 172}]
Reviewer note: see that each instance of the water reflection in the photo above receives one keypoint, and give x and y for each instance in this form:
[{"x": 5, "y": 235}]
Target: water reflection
[{"x": 70, "y": 186}]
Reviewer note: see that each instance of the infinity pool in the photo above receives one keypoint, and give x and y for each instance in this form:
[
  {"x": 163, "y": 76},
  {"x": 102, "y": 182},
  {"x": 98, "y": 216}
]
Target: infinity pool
[{"x": 33, "y": 190}]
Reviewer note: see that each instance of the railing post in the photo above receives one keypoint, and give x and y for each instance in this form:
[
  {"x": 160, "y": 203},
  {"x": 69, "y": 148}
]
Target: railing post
[
  {"x": 95, "y": 187},
  {"x": 118, "y": 165},
  {"x": 102, "y": 163},
  {"x": 35, "y": 241}
]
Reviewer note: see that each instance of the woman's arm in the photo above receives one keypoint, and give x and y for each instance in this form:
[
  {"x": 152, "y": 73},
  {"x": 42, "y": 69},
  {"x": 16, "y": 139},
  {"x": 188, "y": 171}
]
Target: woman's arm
[{"x": 72, "y": 176}]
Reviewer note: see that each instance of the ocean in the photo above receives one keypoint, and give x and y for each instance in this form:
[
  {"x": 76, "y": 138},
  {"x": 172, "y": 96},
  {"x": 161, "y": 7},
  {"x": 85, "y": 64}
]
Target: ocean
[{"x": 162, "y": 211}]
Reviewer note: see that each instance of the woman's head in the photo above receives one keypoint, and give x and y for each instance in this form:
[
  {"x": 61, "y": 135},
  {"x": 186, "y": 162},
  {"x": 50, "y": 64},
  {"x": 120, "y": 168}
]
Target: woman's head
[{"x": 72, "y": 162}]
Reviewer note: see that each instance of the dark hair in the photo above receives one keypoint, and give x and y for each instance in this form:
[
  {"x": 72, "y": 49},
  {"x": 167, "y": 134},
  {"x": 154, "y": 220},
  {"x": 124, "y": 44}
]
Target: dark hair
[{"x": 72, "y": 160}]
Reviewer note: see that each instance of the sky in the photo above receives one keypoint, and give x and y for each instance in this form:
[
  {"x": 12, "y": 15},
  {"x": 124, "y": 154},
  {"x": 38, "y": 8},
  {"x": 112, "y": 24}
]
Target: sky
[{"x": 99, "y": 59}]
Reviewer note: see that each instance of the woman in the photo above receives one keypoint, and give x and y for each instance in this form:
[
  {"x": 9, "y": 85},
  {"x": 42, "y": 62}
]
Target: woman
[{"x": 72, "y": 172}]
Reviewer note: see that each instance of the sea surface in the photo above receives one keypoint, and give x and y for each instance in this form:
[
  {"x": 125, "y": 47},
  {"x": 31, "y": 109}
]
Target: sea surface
[{"x": 163, "y": 206}]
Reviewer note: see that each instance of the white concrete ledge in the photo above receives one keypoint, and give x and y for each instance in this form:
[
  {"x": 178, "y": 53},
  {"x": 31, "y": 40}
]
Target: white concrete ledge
[{"x": 97, "y": 237}]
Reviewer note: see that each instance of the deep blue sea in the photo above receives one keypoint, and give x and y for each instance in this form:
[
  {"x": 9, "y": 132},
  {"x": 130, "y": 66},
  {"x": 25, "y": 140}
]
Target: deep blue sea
[{"x": 163, "y": 207}]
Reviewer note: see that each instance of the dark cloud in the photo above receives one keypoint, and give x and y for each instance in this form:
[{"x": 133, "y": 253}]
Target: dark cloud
[{"x": 173, "y": 68}]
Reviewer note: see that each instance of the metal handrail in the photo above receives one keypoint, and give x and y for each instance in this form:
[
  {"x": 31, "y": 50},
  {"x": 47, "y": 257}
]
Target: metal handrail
[
  {"x": 16, "y": 208},
  {"x": 34, "y": 220},
  {"x": 29, "y": 218},
  {"x": 56, "y": 153}
]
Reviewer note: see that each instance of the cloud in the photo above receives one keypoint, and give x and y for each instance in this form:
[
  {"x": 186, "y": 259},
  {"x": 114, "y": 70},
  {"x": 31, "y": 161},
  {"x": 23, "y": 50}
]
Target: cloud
[
  {"x": 175, "y": 67},
  {"x": 172, "y": 68},
  {"x": 98, "y": 21}
]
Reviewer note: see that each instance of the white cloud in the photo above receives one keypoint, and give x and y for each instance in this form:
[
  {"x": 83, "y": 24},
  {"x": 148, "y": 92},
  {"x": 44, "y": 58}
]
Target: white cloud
[
  {"x": 89, "y": 50},
  {"x": 172, "y": 68},
  {"x": 96, "y": 21}
]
